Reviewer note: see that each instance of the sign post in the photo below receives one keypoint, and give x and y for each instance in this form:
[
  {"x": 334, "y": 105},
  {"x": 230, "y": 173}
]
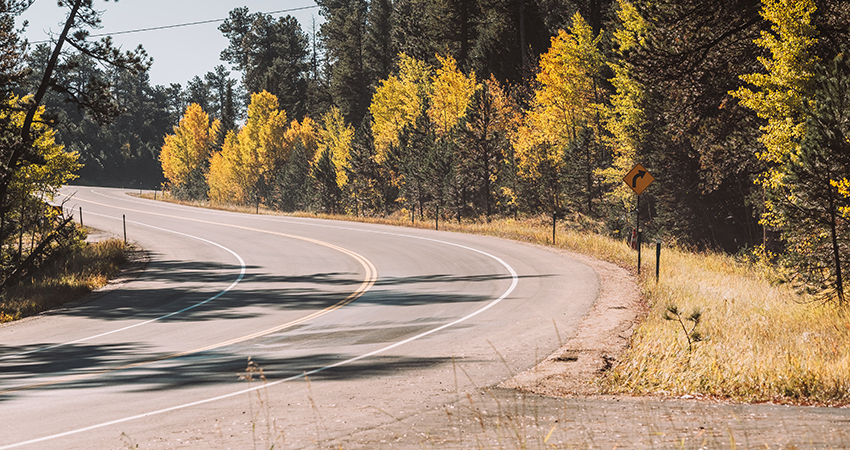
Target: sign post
[{"x": 638, "y": 179}]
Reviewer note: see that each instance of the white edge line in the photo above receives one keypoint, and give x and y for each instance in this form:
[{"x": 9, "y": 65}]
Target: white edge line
[
  {"x": 227, "y": 289},
  {"x": 514, "y": 282}
]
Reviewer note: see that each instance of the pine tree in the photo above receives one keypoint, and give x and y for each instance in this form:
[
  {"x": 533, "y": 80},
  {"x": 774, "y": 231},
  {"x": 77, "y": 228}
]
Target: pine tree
[
  {"x": 343, "y": 36},
  {"x": 327, "y": 190},
  {"x": 808, "y": 203}
]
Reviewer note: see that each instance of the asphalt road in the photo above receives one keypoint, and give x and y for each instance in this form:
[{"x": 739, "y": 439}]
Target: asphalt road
[{"x": 349, "y": 328}]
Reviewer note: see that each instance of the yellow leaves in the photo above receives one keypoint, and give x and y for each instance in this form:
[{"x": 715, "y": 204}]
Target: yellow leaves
[
  {"x": 262, "y": 139},
  {"x": 566, "y": 101},
  {"x": 634, "y": 29},
  {"x": 307, "y": 132},
  {"x": 398, "y": 102},
  {"x": 249, "y": 160},
  {"x": 190, "y": 145},
  {"x": 568, "y": 96},
  {"x": 452, "y": 91},
  {"x": 335, "y": 137},
  {"x": 59, "y": 166},
  {"x": 223, "y": 178},
  {"x": 780, "y": 94}
]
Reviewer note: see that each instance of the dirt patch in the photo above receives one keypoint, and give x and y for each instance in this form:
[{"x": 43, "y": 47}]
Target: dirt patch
[{"x": 602, "y": 337}]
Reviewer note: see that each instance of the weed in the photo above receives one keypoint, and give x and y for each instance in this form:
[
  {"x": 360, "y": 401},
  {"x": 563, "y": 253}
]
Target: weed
[
  {"x": 672, "y": 313},
  {"x": 261, "y": 397}
]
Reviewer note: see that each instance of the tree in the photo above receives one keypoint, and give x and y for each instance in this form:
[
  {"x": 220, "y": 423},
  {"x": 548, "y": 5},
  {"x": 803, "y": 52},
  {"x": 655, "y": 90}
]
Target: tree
[
  {"x": 450, "y": 94},
  {"x": 398, "y": 102},
  {"x": 491, "y": 117},
  {"x": 781, "y": 92},
  {"x": 325, "y": 174},
  {"x": 682, "y": 59},
  {"x": 30, "y": 186},
  {"x": 343, "y": 36},
  {"x": 335, "y": 138},
  {"x": 20, "y": 149},
  {"x": 378, "y": 50},
  {"x": 186, "y": 152},
  {"x": 566, "y": 106},
  {"x": 272, "y": 54},
  {"x": 245, "y": 169},
  {"x": 808, "y": 202}
]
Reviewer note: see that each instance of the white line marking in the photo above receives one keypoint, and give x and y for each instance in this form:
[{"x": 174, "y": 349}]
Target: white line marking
[
  {"x": 514, "y": 282},
  {"x": 228, "y": 288}
]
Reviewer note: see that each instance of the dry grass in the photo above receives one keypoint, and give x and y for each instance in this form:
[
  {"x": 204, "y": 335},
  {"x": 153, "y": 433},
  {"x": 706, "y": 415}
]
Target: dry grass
[
  {"x": 762, "y": 341},
  {"x": 72, "y": 275}
]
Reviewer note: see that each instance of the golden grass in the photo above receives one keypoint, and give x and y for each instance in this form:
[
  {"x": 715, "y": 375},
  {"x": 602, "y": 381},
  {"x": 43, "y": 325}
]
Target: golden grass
[
  {"x": 66, "y": 279},
  {"x": 763, "y": 341}
]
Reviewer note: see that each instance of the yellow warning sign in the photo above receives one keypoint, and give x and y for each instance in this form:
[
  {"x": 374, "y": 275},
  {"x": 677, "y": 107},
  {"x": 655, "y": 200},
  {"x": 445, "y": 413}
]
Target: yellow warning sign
[{"x": 638, "y": 179}]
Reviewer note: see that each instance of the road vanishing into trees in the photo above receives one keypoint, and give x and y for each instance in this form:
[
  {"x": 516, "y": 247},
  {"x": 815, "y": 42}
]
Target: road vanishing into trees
[{"x": 342, "y": 327}]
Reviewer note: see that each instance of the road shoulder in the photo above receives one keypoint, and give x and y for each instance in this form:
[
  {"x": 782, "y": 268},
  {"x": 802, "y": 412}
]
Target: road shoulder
[{"x": 602, "y": 337}]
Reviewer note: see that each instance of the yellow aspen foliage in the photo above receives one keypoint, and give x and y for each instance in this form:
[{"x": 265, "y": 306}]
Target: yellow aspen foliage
[
  {"x": 397, "y": 102},
  {"x": 59, "y": 166},
  {"x": 451, "y": 94},
  {"x": 308, "y": 132},
  {"x": 780, "y": 94},
  {"x": 335, "y": 136},
  {"x": 190, "y": 145},
  {"x": 568, "y": 96},
  {"x": 262, "y": 139},
  {"x": 625, "y": 118},
  {"x": 564, "y": 102},
  {"x": 223, "y": 176},
  {"x": 249, "y": 160}
]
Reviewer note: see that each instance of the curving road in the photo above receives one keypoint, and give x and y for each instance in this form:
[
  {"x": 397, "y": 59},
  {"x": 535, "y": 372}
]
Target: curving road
[{"x": 353, "y": 326}]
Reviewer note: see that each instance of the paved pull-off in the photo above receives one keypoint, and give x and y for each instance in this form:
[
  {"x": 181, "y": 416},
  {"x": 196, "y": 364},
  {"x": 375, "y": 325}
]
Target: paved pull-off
[{"x": 359, "y": 336}]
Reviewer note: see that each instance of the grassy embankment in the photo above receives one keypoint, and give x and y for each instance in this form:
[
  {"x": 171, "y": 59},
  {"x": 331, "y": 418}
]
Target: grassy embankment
[
  {"x": 761, "y": 342},
  {"x": 73, "y": 274}
]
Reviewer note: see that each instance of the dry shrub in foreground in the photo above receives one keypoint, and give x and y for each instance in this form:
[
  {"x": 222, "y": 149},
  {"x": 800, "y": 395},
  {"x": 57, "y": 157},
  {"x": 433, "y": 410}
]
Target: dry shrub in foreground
[{"x": 76, "y": 272}]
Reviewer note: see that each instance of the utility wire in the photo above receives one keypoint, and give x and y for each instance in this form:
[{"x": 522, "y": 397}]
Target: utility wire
[{"x": 180, "y": 25}]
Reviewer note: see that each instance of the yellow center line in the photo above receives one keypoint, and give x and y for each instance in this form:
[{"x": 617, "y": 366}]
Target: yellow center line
[{"x": 369, "y": 281}]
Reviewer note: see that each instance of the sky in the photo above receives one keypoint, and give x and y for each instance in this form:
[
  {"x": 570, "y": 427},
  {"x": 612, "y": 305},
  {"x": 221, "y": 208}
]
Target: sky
[{"x": 178, "y": 53}]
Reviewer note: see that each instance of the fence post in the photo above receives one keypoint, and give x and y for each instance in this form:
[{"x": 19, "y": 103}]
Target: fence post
[
  {"x": 124, "y": 219},
  {"x": 657, "y": 258},
  {"x": 81, "y": 216}
]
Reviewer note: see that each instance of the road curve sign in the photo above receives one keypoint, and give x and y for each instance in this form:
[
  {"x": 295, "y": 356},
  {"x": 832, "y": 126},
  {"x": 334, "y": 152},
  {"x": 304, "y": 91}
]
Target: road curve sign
[{"x": 638, "y": 179}]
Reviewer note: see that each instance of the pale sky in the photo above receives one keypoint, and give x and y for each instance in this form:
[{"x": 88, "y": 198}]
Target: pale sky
[{"x": 178, "y": 53}]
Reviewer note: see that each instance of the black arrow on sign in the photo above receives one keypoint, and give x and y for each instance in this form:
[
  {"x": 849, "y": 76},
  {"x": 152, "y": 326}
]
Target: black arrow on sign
[{"x": 640, "y": 174}]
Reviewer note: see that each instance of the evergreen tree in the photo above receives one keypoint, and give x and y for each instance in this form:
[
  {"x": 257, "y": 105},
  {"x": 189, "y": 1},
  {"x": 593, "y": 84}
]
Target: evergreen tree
[
  {"x": 344, "y": 37},
  {"x": 808, "y": 202},
  {"x": 272, "y": 54},
  {"x": 294, "y": 188},
  {"x": 379, "y": 51},
  {"x": 328, "y": 192}
]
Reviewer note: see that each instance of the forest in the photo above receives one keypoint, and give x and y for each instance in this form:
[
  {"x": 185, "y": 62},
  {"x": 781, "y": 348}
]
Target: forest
[{"x": 471, "y": 110}]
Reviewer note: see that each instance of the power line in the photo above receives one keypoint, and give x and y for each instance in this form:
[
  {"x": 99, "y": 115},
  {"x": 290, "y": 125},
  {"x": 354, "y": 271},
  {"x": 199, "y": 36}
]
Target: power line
[{"x": 186, "y": 24}]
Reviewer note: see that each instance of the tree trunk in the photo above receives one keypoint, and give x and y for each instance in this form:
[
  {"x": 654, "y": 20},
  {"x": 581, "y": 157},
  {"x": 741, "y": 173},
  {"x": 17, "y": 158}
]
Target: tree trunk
[{"x": 839, "y": 282}]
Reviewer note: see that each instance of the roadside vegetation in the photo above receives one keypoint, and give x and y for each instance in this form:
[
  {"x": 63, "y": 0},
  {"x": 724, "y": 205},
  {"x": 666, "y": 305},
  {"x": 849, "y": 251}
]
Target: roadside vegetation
[{"x": 72, "y": 273}]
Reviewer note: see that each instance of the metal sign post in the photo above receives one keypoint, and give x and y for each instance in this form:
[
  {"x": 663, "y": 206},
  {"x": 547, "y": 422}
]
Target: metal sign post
[{"x": 638, "y": 179}]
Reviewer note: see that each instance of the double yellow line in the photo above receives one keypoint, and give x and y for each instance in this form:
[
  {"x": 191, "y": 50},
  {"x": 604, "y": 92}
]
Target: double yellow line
[{"x": 369, "y": 281}]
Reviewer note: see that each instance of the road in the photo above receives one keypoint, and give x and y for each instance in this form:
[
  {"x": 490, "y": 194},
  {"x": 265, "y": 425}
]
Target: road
[{"x": 247, "y": 330}]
